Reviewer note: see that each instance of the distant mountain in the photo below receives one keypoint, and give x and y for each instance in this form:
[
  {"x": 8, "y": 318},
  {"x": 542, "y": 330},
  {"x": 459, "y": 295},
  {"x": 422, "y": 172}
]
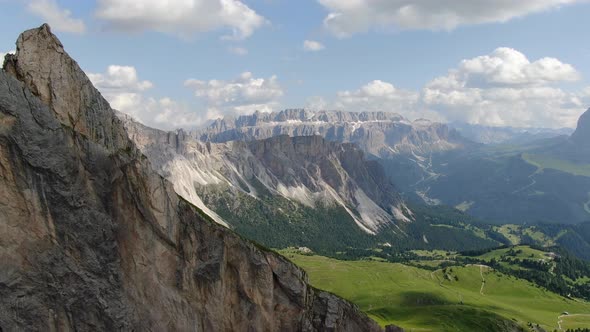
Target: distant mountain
[
  {"x": 577, "y": 148},
  {"x": 545, "y": 180},
  {"x": 581, "y": 136},
  {"x": 297, "y": 191},
  {"x": 380, "y": 134},
  {"x": 308, "y": 170},
  {"x": 506, "y": 135}
]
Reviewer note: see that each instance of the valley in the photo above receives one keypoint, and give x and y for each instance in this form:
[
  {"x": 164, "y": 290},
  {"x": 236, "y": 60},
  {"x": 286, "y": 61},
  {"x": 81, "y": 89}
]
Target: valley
[
  {"x": 124, "y": 209},
  {"x": 463, "y": 297}
]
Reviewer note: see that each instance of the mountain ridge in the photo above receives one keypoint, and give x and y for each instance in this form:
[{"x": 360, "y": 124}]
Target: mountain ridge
[
  {"x": 306, "y": 169},
  {"x": 93, "y": 239},
  {"x": 380, "y": 134}
]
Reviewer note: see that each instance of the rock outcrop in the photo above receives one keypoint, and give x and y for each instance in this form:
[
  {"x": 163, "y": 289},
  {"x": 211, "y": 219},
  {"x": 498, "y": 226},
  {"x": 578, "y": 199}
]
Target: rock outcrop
[{"x": 92, "y": 239}]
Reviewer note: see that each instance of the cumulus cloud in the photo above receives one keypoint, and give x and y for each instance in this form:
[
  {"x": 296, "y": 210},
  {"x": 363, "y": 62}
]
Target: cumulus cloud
[
  {"x": 59, "y": 19},
  {"x": 505, "y": 88},
  {"x": 312, "y": 46},
  {"x": 347, "y": 17},
  {"x": 121, "y": 86},
  {"x": 181, "y": 17},
  {"x": 119, "y": 79},
  {"x": 506, "y": 66},
  {"x": 242, "y": 95},
  {"x": 376, "y": 96}
]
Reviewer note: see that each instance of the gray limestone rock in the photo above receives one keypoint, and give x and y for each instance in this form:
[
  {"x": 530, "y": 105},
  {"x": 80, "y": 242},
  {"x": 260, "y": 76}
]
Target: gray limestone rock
[{"x": 91, "y": 238}]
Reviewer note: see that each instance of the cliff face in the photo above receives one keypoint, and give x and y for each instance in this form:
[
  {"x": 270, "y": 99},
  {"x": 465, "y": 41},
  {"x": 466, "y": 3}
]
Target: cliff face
[
  {"x": 306, "y": 169},
  {"x": 576, "y": 148},
  {"x": 92, "y": 239},
  {"x": 378, "y": 133},
  {"x": 582, "y": 134}
]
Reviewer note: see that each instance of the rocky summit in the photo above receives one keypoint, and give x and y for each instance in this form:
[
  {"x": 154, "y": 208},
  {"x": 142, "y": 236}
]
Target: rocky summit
[{"x": 91, "y": 238}]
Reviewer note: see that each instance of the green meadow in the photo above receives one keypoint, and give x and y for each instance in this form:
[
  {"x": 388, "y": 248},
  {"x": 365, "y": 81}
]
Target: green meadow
[
  {"x": 451, "y": 299},
  {"x": 546, "y": 162}
]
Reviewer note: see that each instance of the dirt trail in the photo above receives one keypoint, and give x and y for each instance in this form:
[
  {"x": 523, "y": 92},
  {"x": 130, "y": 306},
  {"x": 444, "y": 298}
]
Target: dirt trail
[
  {"x": 483, "y": 280},
  {"x": 533, "y": 182}
]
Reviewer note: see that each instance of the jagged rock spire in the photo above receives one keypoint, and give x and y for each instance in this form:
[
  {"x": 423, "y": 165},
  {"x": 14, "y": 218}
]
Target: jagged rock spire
[{"x": 51, "y": 74}]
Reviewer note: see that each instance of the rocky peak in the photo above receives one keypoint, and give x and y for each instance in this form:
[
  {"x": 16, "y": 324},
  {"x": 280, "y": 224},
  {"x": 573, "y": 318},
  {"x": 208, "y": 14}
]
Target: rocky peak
[
  {"x": 582, "y": 134},
  {"x": 93, "y": 239},
  {"x": 43, "y": 65}
]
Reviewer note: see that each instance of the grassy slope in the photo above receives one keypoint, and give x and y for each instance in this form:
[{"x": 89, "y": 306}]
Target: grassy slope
[
  {"x": 525, "y": 253},
  {"x": 415, "y": 298},
  {"x": 543, "y": 162},
  {"x": 575, "y": 321}
]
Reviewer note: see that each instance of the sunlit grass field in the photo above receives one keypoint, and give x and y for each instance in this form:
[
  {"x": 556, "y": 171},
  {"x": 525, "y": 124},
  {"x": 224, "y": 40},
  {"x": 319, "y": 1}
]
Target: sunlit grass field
[{"x": 454, "y": 300}]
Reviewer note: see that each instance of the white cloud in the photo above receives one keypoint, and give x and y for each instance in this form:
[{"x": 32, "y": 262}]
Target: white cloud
[
  {"x": 181, "y": 17},
  {"x": 377, "y": 96},
  {"x": 58, "y": 18},
  {"x": 505, "y": 88},
  {"x": 119, "y": 79},
  {"x": 125, "y": 92},
  {"x": 317, "y": 103},
  {"x": 238, "y": 51},
  {"x": 347, "y": 17},
  {"x": 242, "y": 95},
  {"x": 312, "y": 46},
  {"x": 506, "y": 66}
]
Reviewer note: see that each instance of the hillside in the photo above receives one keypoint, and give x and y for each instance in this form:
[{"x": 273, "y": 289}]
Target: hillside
[
  {"x": 448, "y": 299},
  {"x": 296, "y": 191},
  {"x": 530, "y": 182}
]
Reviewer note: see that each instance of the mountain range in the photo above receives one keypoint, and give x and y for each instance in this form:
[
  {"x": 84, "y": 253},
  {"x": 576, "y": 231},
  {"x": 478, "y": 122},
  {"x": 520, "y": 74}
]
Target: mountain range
[
  {"x": 535, "y": 174},
  {"x": 305, "y": 169},
  {"x": 107, "y": 224},
  {"x": 546, "y": 180},
  {"x": 93, "y": 239},
  {"x": 380, "y": 134},
  {"x": 506, "y": 135},
  {"x": 293, "y": 190}
]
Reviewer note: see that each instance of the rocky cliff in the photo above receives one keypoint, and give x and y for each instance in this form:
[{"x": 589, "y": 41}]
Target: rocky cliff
[
  {"x": 306, "y": 169},
  {"x": 381, "y": 134},
  {"x": 92, "y": 239},
  {"x": 582, "y": 134},
  {"x": 576, "y": 149}
]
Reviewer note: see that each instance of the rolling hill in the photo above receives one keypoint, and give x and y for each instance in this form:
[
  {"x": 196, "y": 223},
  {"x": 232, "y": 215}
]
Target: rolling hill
[{"x": 454, "y": 298}]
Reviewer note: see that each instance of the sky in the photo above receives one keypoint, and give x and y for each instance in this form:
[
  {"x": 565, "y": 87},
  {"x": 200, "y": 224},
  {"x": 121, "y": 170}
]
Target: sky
[{"x": 182, "y": 63}]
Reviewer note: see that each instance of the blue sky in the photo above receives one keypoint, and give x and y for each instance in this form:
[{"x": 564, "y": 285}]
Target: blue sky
[{"x": 390, "y": 55}]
